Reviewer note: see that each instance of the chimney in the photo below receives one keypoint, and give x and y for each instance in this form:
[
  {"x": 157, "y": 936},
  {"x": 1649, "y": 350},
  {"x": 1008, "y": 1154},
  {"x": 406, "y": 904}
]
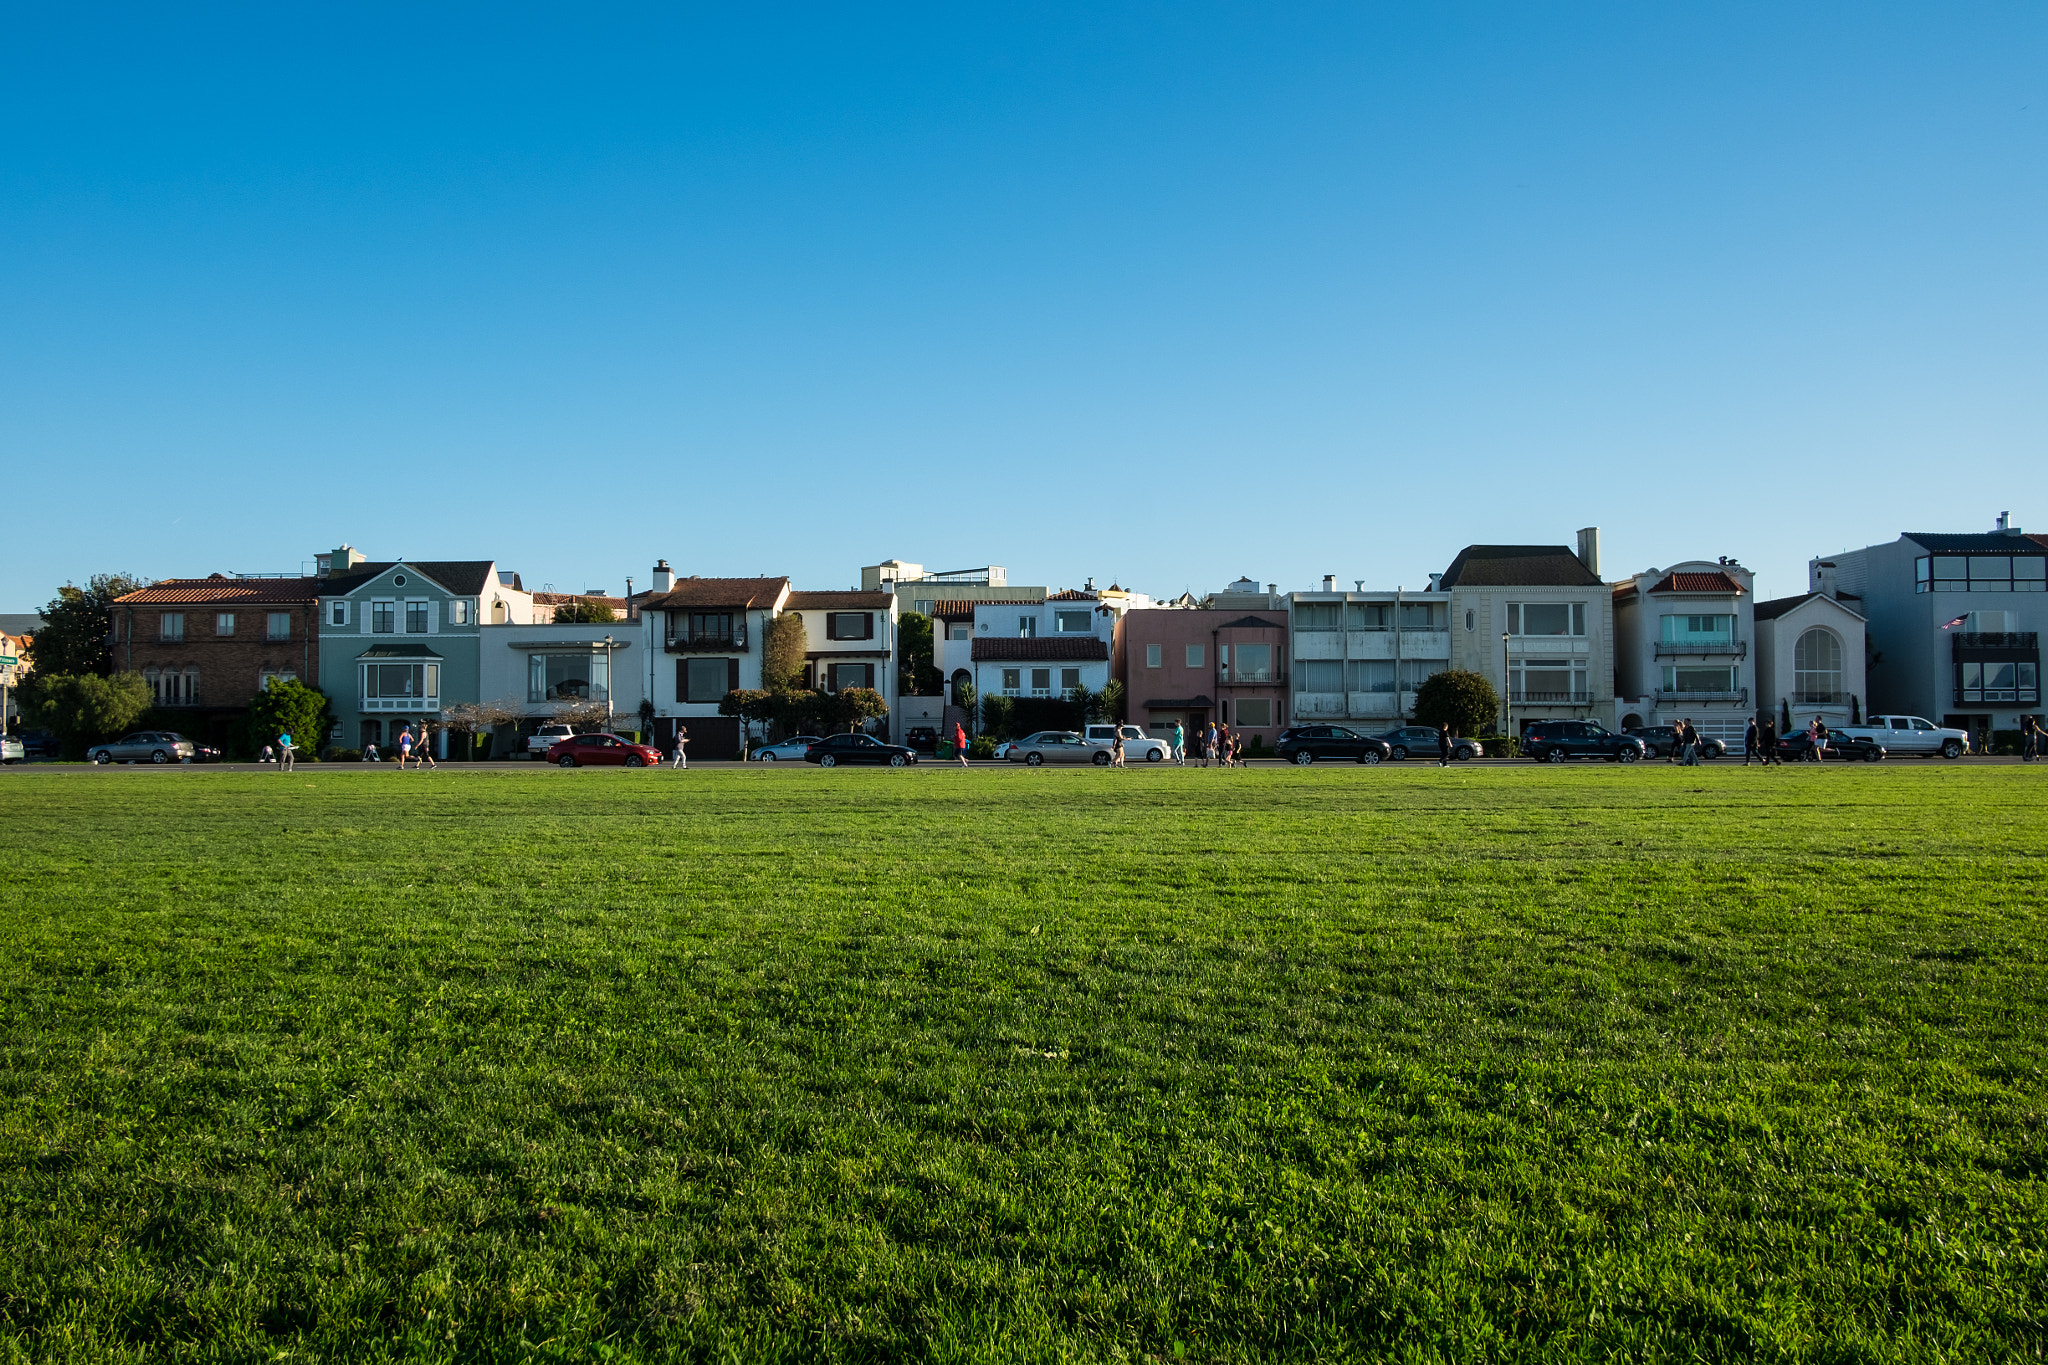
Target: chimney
[
  {"x": 1824, "y": 578},
  {"x": 1089, "y": 586},
  {"x": 2003, "y": 519},
  {"x": 1329, "y": 582},
  {"x": 1272, "y": 590},
  {"x": 1589, "y": 549},
  {"x": 1436, "y": 582},
  {"x": 663, "y": 579}
]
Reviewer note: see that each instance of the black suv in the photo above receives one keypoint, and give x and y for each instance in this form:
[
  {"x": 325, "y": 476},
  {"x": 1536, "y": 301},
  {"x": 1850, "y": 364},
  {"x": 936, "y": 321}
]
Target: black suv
[
  {"x": 1661, "y": 741},
  {"x": 924, "y": 739},
  {"x": 1304, "y": 744},
  {"x": 1554, "y": 741}
]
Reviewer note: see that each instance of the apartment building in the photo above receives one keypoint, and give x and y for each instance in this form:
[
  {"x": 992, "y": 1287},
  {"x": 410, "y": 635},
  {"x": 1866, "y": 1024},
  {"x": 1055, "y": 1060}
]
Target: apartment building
[
  {"x": 1684, "y": 648},
  {"x": 1538, "y": 621},
  {"x": 1194, "y": 666},
  {"x": 207, "y": 646},
  {"x": 1360, "y": 655}
]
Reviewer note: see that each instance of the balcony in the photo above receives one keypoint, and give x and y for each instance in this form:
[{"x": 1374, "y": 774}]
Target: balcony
[
  {"x": 718, "y": 642},
  {"x": 1740, "y": 694},
  {"x": 1728, "y": 649},
  {"x": 1251, "y": 677},
  {"x": 1551, "y": 698},
  {"x": 2015, "y": 640}
]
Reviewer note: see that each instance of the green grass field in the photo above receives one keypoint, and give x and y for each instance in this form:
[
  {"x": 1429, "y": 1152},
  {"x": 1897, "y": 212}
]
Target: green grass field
[{"x": 1394, "y": 1063}]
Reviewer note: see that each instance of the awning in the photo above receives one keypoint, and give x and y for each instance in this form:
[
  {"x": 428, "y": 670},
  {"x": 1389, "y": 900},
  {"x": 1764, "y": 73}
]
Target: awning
[
  {"x": 398, "y": 652},
  {"x": 569, "y": 646},
  {"x": 1183, "y": 704}
]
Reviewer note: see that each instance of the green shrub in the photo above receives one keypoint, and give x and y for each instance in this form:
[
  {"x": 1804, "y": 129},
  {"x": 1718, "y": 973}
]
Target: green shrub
[
  {"x": 334, "y": 755},
  {"x": 981, "y": 746}
]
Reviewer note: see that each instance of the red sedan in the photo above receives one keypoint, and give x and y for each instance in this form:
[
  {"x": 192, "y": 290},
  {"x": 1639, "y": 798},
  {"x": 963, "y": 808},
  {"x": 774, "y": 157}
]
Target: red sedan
[{"x": 578, "y": 751}]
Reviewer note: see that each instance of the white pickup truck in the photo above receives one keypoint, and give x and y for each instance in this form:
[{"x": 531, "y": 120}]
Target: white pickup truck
[
  {"x": 1911, "y": 735},
  {"x": 537, "y": 743}
]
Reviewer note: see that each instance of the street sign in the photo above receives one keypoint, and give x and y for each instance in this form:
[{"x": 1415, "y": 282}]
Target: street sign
[{"x": 8, "y": 661}]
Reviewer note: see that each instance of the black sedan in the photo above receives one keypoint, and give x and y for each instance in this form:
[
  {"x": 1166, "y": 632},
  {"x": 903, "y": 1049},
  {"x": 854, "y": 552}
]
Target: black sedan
[
  {"x": 1797, "y": 748},
  {"x": 834, "y": 750},
  {"x": 1304, "y": 744},
  {"x": 1660, "y": 740}
]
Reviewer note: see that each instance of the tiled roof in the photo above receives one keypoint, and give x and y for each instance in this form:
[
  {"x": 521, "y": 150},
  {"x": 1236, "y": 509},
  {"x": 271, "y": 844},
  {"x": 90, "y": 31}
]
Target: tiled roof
[
  {"x": 1697, "y": 582},
  {"x": 463, "y": 577},
  {"x": 1975, "y": 543},
  {"x": 219, "y": 589},
  {"x": 1070, "y": 595},
  {"x": 718, "y": 592},
  {"x": 1042, "y": 649},
  {"x": 1778, "y": 606},
  {"x": 1519, "y": 566},
  {"x": 839, "y": 601},
  {"x": 962, "y": 609}
]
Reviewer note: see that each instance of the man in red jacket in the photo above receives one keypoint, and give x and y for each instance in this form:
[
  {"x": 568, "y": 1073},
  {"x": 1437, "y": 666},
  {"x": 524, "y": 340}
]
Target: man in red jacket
[{"x": 960, "y": 743}]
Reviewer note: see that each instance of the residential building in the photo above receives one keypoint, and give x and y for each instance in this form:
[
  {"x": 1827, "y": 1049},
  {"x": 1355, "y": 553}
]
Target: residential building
[
  {"x": 402, "y": 639},
  {"x": 207, "y": 646},
  {"x": 921, "y": 591},
  {"x": 1046, "y": 648},
  {"x": 1683, "y": 641},
  {"x": 1198, "y": 666},
  {"x": 1538, "y": 621},
  {"x": 1359, "y": 656},
  {"x": 534, "y": 670},
  {"x": 1810, "y": 653},
  {"x": 1955, "y": 622},
  {"x": 711, "y": 628},
  {"x": 17, "y": 634},
  {"x": 547, "y": 604},
  {"x": 850, "y": 642}
]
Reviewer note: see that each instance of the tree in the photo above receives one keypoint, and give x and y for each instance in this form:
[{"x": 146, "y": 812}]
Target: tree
[
  {"x": 472, "y": 719},
  {"x": 752, "y": 706},
  {"x": 288, "y": 707},
  {"x": 1459, "y": 698},
  {"x": 783, "y": 645},
  {"x": 852, "y": 707},
  {"x": 584, "y": 611},
  {"x": 996, "y": 715},
  {"x": 583, "y": 715},
  {"x": 80, "y": 709},
  {"x": 919, "y": 675},
  {"x": 963, "y": 697},
  {"x": 76, "y": 626},
  {"x": 1112, "y": 699}
]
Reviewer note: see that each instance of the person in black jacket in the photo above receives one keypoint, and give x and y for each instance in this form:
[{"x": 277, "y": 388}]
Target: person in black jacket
[
  {"x": 1443, "y": 746},
  {"x": 1770, "y": 743},
  {"x": 1750, "y": 743}
]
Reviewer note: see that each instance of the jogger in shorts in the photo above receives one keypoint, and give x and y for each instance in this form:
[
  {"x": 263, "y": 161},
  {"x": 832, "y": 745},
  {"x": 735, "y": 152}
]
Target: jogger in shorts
[{"x": 682, "y": 747}]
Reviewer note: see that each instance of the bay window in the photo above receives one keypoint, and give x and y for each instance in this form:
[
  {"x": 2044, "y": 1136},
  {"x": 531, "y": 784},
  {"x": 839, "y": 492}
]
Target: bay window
[
  {"x": 400, "y": 686},
  {"x": 1546, "y": 618},
  {"x": 581, "y": 676}
]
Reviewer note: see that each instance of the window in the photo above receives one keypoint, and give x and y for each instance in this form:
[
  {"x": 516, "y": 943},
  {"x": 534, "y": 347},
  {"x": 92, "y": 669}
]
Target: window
[
  {"x": 400, "y": 686},
  {"x": 2001, "y": 680},
  {"x": 1319, "y": 616},
  {"x": 849, "y": 625},
  {"x": 270, "y": 677},
  {"x": 924, "y": 608},
  {"x": 1319, "y": 675},
  {"x": 1153, "y": 655},
  {"x": 224, "y": 623},
  {"x": 1011, "y": 682},
  {"x": 1254, "y": 711},
  {"x": 1425, "y": 616},
  {"x": 277, "y": 625},
  {"x": 959, "y": 632},
  {"x": 1072, "y": 622},
  {"x": 1547, "y": 680},
  {"x": 1041, "y": 682},
  {"x": 1817, "y": 668},
  {"x": 1699, "y": 630},
  {"x": 1370, "y": 615},
  {"x": 416, "y": 618},
  {"x": 704, "y": 627},
  {"x": 1546, "y": 618},
  {"x": 839, "y": 677},
  {"x": 2029, "y": 573},
  {"x": 458, "y": 612},
  {"x": 1415, "y": 672},
  {"x": 569, "y": 677},
  {"x": 1370, "y": 675},
  {"x": 1254, "y": 664},
  {"x": 1951, "y": 573},
  {"x": 383, "y": 618},
  {"x": 170, "y": 625},
  {"x": 705, "y": 680},
  {"x": 1027, "y": 627},
  {"x": 1980, "y": 573},
  {"x": 1721, "y": 679},
  {"x": 1468, "y": 619},
  {"x": 1070, "y": 679},
  {"x": 337, "y": 613},
  {"x": 1195, "y": 656}
]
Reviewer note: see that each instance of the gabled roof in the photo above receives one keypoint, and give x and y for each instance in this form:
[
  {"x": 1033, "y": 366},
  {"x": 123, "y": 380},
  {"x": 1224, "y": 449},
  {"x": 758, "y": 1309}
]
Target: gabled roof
[
  {"x": 1070, "y": 595},
  {"x": 839, "y": 601},
  {"x": 718, "y": 592},
  {"x": 1778, "y": 606},
  {"x": 1714, "y": 581},
  {"x": 1042, "y": 649},
  {"x": 220, "y": 590},
  {"x": 463, "y": 577},
  {"x": 1976, "y": 543},
  {"x": 1519, "y": 566}
]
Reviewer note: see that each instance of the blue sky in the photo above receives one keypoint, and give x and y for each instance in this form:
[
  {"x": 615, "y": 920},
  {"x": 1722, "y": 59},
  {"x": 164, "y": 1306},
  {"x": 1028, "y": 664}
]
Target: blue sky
[{"x": 1162, "y": 295}]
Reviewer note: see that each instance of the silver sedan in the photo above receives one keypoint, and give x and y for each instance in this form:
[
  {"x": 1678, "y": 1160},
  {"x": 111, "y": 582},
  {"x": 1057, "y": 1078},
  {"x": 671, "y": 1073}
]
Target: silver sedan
[
  {"x": 145, "y": 746},
  {"x": 1056, "y": 746},
  {"x": 788, "y": 751}
]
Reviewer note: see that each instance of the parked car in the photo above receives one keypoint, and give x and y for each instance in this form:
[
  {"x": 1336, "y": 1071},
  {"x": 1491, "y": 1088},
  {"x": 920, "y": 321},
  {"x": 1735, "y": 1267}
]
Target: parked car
[
  {"x": 1554, "y": 741},
  {"x": 1908, "y": 735},
  {"x": 834, "y": 750},
  {"x": 1660, "y": 740},
  {"x": 1304, "y": 744},
  {"x": 1057, "y": 746},
  {"x": 924, "y": 739},
  {"x": 594, "y": 751},
  {"x": 145, "y": 746},
  {"x": 1795, "y": 747},
  {"x": 785, "y": 751},
  {"x": 1137, "y": 744},
  {"x": 12, "y": 750},
  {"x": 205, "y": 753},
  {"x": 42, "y": 744},
  {"x": 1421, "y": 741},
  {"x": 1003, "y": 749},
  {"x": 547, "y": 737}
]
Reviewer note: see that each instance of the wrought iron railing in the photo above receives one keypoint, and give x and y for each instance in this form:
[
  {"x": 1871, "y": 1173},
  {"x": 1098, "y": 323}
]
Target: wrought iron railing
[
  {"x": 1738, "y": 649},
  {"x": 1996, "y": 639},
  {"x": 686, "y": 642},
  {"x": 1550, "y": 698}
]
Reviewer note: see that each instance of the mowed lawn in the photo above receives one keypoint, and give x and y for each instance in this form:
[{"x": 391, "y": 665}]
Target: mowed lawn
[{"x": 1479, "y": 1063}]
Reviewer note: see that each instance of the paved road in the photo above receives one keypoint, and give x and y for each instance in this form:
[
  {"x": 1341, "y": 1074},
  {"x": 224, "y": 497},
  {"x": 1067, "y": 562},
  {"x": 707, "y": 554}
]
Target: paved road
[{"x": 371, "y": 769}]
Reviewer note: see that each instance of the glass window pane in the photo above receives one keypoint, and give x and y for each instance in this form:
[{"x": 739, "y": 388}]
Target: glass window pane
[
  {"x": 1254, "y": 663},
  {"x": 1320, "y": 675},
  {"x": 1546, "y": 618}
]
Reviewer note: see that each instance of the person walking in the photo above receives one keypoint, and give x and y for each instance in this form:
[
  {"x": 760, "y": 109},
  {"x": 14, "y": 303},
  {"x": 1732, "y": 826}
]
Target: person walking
[
  {"x": 1116, "y": 749},
  {"x": 1751, "y": 739},
  {"x": 1768, "y": 732},
  {"x": 1689, "y": 740},
  {"x": 1443, "y": 745},
  {"x": 425, "y": 745},
  {"x": 284, "y": 753},
  {"x": 960, "y": 742},
  {"x": 1208, "y": 743},
  {"x": 1237, "y": 749},
  {"x": 1180, "y": 745},
  {"x": 2030, "y": 738},
  {"x": 682, "y": 747}
]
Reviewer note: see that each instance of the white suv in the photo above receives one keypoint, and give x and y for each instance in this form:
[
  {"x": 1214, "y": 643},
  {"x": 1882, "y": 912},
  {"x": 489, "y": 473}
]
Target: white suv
[{"x": 1137, "y": 744}]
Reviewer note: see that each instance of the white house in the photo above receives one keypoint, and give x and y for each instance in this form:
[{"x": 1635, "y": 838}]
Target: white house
[
  {"x": 1039, "y": 649},
  {"x": 1360, "y": 655},
  {"x": 536, "y": 670},
  {"x": 701, "y": 638},
  {"x": 1810, "y": 653},
  {"x": 1682, "y": 648},
  {"x": 1538, "y": 621}
]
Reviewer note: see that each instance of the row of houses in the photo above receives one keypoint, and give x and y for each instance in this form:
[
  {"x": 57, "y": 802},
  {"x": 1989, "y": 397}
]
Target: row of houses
[{"x": 1940, "y": 625}]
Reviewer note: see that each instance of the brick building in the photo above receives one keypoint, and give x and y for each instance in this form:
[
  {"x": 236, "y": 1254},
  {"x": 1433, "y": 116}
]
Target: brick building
[{"x": 206, "y": 646}]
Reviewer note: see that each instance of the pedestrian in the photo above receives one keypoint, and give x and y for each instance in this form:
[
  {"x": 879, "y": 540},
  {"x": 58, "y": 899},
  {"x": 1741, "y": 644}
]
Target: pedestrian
[
  {"x": 1116, "y": 749},
  {"x": 1443, "y": 745},
  {"x": 1208, "y": 743},
  {"x": 1222, "y": 746},
  {"x": 1690, "y": 738},
  {"x": 2030, "y": 738},
  {"x": 426, "y": 748},
  {"x": 1751, "y": 740},
  {"x": 682, "y": 746},
  {"x": 284, "y": 753},
  {"x": 960, "y": 742},
  {"x": 1237, "y": 749},
  {"x": 1180, "y": 744},
  {"x": 1769, "y": 731}
]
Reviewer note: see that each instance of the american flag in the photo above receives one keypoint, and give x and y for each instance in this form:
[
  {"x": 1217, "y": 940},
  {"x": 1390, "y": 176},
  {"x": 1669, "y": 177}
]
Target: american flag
[{"x": 1958, "y": 621}]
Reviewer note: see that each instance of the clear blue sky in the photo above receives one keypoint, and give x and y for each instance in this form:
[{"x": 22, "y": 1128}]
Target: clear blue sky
[{"x": 1160, "y": 294}]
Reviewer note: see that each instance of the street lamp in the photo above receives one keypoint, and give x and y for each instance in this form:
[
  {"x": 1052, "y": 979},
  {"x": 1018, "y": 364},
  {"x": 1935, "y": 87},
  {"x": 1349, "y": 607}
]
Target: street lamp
[
  {"x": 609, "y": 645},
  {"x": 1507, "y": 698}
]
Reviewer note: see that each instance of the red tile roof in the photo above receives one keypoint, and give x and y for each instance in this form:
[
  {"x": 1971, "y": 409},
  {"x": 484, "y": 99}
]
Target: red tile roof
[
  {"x": 1070, "y": 595},
  {"x": 220, "y": 589},
  {"x": 1697, "y": 582},
  {"x": 717, "y": 592},
  {"x": 1040, "y": 649},
  {"x": 959, "y": 609}
]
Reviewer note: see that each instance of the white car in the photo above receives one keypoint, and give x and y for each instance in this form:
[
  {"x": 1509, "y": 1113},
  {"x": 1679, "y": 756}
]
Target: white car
[
  {"x": 549, "y": 735},
  {"x": 1137, "y": 744},
  {"x": 1909, "y": 735},
  {"x": 789, "y": 750},
  {"x": 12, "y": 750}
]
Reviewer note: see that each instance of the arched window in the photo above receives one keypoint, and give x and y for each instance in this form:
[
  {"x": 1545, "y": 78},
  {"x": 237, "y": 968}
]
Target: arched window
[
  {"x": 156, "y": 685},
  {"x": 1817, "y": 668}
]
